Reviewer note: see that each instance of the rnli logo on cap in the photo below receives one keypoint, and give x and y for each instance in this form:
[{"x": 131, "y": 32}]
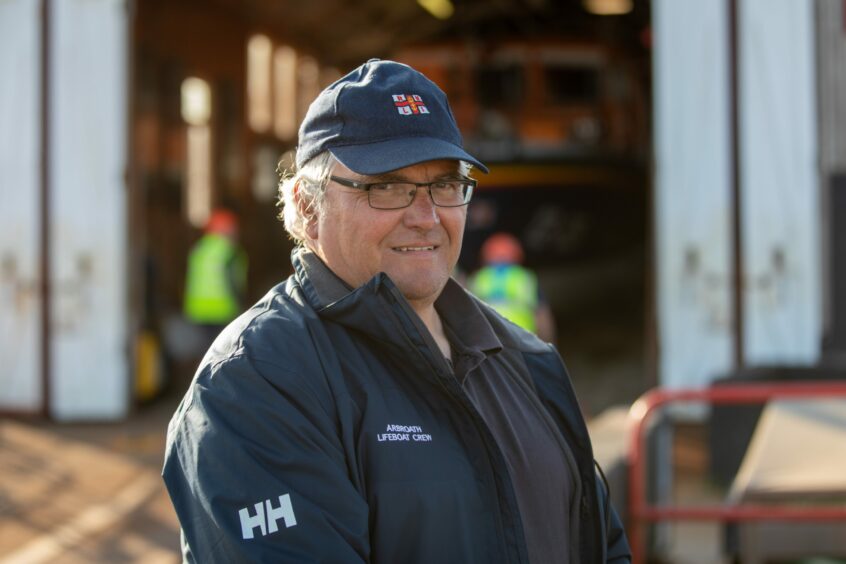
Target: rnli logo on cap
[{"x": 408, "y": 104}]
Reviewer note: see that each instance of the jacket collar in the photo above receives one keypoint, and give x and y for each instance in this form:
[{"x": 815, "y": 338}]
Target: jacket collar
[
  {"x": 321, "y": 286},
  {"x": 377, "y": 306},
  {"x": 467, "y": 327}
]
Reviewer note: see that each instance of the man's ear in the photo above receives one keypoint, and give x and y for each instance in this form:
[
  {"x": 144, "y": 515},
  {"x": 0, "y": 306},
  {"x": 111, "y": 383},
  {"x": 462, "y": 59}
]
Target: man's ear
[
  {"x": 306, "y": 210},
  {"x": 311, "y": 228}
]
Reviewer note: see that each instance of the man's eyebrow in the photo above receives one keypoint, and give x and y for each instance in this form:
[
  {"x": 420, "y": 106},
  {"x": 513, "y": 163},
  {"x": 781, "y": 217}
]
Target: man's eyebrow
[
  {"x": 394, "y": 177},
  {"x": 386, "y": 177}
]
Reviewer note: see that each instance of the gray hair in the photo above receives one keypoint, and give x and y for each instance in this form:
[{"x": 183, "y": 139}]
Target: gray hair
[
  {"x": 311, "y": 181},
  {"x": 309, "y": 201}
]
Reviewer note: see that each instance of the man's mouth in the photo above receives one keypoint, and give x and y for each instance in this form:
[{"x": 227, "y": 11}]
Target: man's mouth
[{"x": 411, "y": 249}]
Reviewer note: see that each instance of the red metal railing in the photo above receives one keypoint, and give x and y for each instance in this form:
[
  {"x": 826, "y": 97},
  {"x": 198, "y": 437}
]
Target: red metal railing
[{"x": 640, "y": 512}]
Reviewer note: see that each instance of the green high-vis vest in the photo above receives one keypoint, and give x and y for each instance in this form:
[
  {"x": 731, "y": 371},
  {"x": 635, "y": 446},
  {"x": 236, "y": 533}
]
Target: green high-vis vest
[
  {"x": 511, "y": 290},
  {"x": 217, "y": 276}
]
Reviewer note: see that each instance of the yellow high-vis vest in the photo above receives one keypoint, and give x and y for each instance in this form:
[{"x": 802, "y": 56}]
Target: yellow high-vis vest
[
  {"x": 217, "y": 274},
  {"x": 511, "y": 290}
]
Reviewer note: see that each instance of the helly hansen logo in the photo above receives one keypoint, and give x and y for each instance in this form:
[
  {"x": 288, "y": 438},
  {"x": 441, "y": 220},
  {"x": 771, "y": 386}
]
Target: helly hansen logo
[
  {"x": 408, "y": 104},
  {"x": 266, "y": 516}
]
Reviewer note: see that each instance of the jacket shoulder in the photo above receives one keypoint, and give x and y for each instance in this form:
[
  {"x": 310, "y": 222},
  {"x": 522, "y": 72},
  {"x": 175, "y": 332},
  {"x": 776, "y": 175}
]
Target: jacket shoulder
[
  {"x": 271, "y": 350},
  {"x": 280, "y": 342},
  {"x": 278, "y": 326}
]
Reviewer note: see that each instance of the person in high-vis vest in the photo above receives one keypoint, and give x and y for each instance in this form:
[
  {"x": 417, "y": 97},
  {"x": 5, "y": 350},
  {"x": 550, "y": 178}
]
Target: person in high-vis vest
[
  {"x": 216, "y": 279},
  {"x": 510, "y": 288}
]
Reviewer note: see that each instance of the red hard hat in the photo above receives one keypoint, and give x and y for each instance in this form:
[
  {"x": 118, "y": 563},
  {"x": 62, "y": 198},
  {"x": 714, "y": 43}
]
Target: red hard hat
[
  {"x": 222, "y": 222},
  {"x": 502, "y": 248}
]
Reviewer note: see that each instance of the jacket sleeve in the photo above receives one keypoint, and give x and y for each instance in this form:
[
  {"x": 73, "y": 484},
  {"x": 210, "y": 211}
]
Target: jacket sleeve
[{"x": 257, "y": 471}]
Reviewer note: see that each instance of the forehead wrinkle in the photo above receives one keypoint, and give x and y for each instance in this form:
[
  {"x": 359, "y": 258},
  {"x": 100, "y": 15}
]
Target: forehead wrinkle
[
  {"x": 387, "y": 177},
  {"x": 396, "y": 176}
]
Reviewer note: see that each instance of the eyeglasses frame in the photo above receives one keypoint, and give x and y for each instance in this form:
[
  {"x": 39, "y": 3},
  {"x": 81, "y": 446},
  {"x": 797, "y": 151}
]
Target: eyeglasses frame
[{"x": 366, "y": 186}]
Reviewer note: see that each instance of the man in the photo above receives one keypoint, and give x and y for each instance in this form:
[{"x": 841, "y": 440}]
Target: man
[
  {"x": 510, "y": 288},
  {"x": 368, "y": 409}
]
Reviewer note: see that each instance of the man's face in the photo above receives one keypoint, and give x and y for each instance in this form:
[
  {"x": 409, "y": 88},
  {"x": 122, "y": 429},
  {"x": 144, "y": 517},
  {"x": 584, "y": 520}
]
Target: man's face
[{"x": 416, "y": 246}]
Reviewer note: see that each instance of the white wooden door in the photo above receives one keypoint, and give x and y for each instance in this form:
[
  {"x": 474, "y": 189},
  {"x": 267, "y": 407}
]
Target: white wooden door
[
  {"x": 780, "y": 186},
  {"x": 20, "y": 304},
  {"x": 692, "y": 197},
  {"x": 89, "y": 349}
]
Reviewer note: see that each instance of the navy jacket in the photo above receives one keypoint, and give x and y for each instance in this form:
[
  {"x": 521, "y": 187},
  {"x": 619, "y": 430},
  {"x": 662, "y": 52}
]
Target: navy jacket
[{"x": 283, "y": 451}]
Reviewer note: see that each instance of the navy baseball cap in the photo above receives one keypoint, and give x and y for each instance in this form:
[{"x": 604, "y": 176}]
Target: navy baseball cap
[{"x": 380, "y": 117}]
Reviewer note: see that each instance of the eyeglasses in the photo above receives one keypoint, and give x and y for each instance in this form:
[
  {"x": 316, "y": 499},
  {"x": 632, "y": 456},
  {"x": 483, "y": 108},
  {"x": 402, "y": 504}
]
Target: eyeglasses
[{"x": 395, "y": 195}]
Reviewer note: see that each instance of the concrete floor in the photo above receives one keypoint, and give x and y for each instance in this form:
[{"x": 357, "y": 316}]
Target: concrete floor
[{"x": 86, "y": 493}]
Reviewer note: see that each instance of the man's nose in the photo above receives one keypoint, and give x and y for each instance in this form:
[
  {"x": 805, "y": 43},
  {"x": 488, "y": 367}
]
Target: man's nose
[{"x": 422, "y": 213}]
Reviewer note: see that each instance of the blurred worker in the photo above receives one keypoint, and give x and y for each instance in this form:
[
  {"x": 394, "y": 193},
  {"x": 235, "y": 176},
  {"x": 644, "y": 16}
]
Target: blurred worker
[
  {"x": 216, "y": 280},
  {"x": 510, "y": 288},
  {"x": 368, "y": 409}
]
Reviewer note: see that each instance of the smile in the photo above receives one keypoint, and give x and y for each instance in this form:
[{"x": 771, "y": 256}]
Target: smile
[{"x": 409, "y": 249}]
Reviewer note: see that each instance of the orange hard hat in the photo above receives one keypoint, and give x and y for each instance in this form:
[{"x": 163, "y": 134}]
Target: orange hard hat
[
  {"x": 222, "y": 222},
  {"x": 502, "y": 248}
]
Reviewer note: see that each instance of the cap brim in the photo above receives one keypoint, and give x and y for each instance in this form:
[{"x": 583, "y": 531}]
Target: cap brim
[{"x": 384, "y": 156}]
